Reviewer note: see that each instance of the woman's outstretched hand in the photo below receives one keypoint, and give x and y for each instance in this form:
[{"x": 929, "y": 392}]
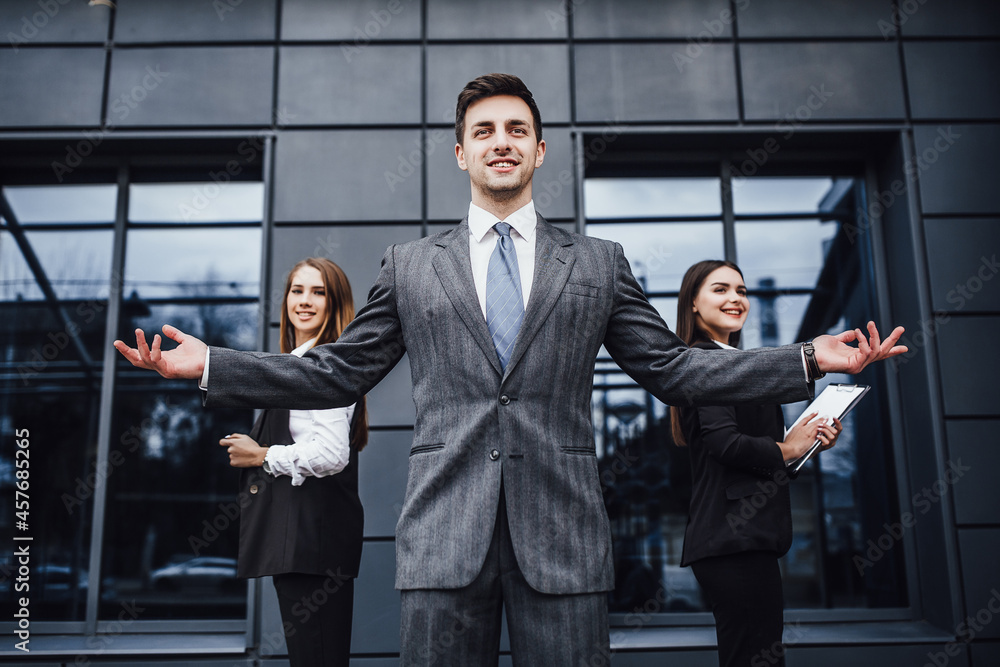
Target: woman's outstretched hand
[
  {"x": 187, "y": 360},
  {"x": 834, "y": 355}
]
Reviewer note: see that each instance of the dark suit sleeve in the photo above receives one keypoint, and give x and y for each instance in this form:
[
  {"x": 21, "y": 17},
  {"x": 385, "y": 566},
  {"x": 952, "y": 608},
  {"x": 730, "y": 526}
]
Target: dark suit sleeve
[
  {"x": 723, "y": 441},
  {"x": 644, "y": 347},
  {"x": 328, "y": 376}
]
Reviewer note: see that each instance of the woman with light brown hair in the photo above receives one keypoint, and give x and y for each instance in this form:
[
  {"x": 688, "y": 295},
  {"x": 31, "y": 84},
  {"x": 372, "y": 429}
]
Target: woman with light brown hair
[{"x": 302, "y": 521}]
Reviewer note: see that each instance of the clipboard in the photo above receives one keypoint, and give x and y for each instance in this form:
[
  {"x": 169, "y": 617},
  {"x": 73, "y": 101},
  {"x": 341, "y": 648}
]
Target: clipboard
[{"x": 836, "y": 400}]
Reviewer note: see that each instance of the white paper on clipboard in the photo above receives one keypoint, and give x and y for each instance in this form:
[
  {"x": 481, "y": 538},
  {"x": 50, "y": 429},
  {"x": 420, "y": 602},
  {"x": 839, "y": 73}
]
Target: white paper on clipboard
[{"x": 834, "y": 401}]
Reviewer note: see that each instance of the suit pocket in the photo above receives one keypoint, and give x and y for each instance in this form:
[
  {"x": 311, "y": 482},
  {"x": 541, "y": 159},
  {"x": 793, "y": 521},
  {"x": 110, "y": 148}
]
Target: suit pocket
[
  {"x": 578, "y": 451},
  {"x": 423, "y": 449},
  {"x": 581, "y": 289}
]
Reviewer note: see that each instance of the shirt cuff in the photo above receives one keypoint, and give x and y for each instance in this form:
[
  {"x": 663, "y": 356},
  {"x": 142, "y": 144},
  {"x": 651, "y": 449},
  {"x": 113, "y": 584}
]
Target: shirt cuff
[
  {"x": 802, "y": 351},
  {"x": 203, "y": 383}
]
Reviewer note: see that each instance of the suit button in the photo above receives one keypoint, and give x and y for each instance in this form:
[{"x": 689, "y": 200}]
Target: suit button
[
  {"x": 504, "y": 400},
  {"x": 253, "y": 488},
  {"x": 494, "y": 455}
]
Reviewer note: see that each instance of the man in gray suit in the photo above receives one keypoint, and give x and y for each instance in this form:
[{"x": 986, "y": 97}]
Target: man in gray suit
[{"x": 503, "y": 317}]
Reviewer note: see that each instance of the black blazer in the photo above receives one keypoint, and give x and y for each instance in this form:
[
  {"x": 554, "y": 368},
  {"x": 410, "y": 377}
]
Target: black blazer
[
  {"x": 316, "y": 528},
  {"x": 739, "y": 497}
]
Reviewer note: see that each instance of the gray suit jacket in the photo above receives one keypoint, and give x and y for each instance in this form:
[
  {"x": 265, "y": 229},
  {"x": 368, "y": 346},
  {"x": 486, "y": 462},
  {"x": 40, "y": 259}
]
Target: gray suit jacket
[{"x": 530, "y": 424}]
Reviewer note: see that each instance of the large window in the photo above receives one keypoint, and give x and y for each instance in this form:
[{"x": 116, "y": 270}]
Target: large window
[
  {"x": 131, "y": 498},
  {"x": 795, "y": 236}
]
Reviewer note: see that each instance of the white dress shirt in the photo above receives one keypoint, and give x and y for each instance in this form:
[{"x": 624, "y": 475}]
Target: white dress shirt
[
  {"x": 483, "y": 239},
  {"x": 321, "y": 440}
]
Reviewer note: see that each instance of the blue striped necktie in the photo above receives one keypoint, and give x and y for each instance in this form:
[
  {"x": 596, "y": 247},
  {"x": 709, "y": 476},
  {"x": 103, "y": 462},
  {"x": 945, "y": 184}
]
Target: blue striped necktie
[{"x": 504, "y": 303}]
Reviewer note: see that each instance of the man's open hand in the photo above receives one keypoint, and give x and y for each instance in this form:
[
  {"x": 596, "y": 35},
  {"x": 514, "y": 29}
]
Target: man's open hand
[
  {"x": 187, "y": 360},
  {"x": 834, "y": 355}
]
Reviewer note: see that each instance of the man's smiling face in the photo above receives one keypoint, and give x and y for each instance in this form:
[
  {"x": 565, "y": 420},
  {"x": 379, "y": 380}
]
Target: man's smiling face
[{"x": 500, "y": 149}]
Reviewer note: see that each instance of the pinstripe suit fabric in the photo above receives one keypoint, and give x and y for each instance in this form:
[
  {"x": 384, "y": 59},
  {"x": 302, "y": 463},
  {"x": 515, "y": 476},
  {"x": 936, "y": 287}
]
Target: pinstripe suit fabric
[{"x": 535, "y": 413}]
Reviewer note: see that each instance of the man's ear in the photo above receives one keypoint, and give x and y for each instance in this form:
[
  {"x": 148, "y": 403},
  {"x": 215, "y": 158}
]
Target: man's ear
[
  {"x": 540, "y": 156},
  {"x": 460, "y": 157}
]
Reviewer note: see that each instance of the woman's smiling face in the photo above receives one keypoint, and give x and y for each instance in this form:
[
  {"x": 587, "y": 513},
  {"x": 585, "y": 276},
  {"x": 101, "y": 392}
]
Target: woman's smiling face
[{"x": 721, "y": 304}]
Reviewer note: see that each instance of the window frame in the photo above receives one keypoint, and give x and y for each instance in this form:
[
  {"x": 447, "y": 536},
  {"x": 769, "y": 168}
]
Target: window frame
[
  {"x": 121, "y": 160},
  {"x": 684, "y": 152}
]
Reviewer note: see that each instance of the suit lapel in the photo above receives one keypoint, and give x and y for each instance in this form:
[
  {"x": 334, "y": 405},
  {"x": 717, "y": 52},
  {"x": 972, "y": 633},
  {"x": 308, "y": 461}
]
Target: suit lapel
[
  {"x": 553, "y": 264},
  {"x": 453, "y": 266}
]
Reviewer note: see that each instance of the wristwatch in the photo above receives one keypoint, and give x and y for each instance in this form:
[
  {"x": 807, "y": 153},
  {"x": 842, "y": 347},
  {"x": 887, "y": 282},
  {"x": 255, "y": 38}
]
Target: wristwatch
[
  {"x": 266, "y": 466},
  {"x": 812, "y": 365}
]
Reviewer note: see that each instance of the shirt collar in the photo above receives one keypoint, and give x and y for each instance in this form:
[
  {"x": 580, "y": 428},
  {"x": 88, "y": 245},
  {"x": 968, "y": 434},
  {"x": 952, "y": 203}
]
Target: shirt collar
[
  {"x": 305, "y": 347},
  {"x": 523, "y": 221},
  {"x": 724, "y": 346}
]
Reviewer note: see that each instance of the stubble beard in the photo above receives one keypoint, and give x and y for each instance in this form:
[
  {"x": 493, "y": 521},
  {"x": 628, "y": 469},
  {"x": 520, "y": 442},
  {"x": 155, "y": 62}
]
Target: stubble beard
[{"x": 501, "y": 191}]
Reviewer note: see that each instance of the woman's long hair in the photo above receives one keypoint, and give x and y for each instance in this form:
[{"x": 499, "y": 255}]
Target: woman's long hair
[
  {"x": 687, "y": 323},
  {"x": 339, "y": 313}
]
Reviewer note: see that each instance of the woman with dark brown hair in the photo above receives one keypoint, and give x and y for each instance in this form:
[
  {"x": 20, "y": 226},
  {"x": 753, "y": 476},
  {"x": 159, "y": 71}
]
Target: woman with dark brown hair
[
  {"x": 302, "y": 520},
  {"x": 738, "y": 456}
]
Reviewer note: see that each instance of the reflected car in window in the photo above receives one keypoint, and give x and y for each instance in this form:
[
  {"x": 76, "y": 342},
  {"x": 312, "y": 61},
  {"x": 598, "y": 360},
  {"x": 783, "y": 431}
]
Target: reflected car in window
[{"x": 199, "y": 573}]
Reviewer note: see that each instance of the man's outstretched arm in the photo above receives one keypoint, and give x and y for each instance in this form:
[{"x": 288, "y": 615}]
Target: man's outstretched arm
[{"x": 327, "y": 376}]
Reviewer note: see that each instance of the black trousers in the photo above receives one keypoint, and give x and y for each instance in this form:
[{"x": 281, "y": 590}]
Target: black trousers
[
  {"x": 744, "y": 591},
  {"x": 316, "y": 612}
]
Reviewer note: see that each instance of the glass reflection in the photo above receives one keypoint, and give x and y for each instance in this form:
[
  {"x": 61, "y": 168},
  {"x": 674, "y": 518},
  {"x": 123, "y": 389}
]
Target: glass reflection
[
  {"x": 774, "y": 318},
  {"x": 171, "y": 532},
  {"x": 196, "y": 202},
  {"x": 769, "y": 196},
  {"x": 785, "y": 253},
  {"x": 660, "y": 253},
  {"x": 76, "y": 263},
  {"x": 218, "y": 262},
  {"x": 62, "y": 204},
  {"x": 60, "y": 417},
  {"x": 805, "y": 277},
  {"x": 651, "y": 197}
]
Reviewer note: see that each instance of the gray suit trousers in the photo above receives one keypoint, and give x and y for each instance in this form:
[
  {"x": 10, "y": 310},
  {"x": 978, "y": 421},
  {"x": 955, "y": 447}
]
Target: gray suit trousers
[{"x": 461, "y": 627}]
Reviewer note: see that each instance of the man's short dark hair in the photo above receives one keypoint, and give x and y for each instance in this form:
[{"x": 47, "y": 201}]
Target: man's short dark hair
[{"x": 491, "y": 85}]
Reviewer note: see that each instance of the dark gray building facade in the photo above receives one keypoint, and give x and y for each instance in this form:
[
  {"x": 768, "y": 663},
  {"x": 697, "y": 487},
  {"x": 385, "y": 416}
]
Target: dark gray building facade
[{"x": 170, "y": 161}]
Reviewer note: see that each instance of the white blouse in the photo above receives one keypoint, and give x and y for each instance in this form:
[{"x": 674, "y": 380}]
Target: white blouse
[{"x": 321, "y": 440}]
